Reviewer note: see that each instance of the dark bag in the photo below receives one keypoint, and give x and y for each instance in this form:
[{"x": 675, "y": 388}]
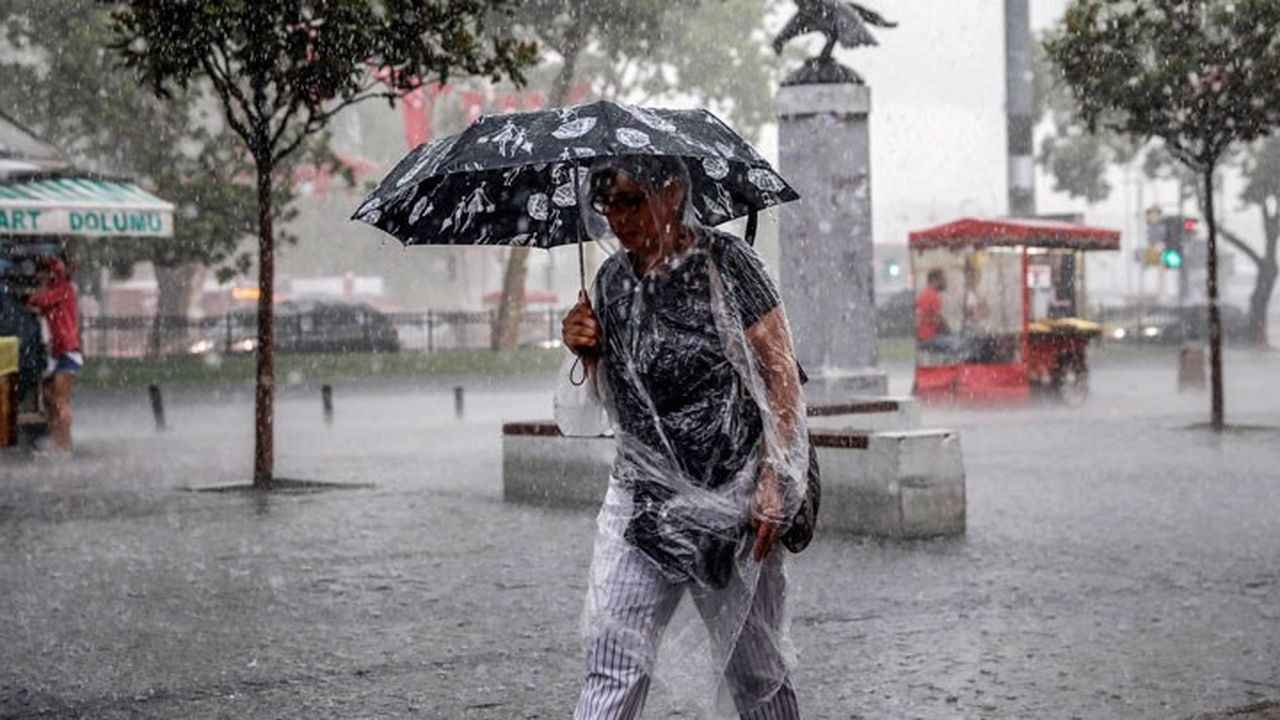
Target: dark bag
[
  {"x": 800, "y": 531},
  {"x": 687, "y": 543}
]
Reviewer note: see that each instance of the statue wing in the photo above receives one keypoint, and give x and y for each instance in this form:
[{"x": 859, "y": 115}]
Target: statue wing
[
  {"x": 849, "y": 28},
  {"x": 871, "y": 16},
  {"x": 798, "y": 25}
]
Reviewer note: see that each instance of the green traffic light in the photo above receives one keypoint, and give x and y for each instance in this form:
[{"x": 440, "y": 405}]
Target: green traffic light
[{"x": 1172, "y": 259}]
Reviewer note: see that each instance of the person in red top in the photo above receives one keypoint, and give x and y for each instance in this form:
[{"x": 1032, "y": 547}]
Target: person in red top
[
  {"x": 929, "y": 321},
  {"x": 56, "y": 301},
  {"x": 932, "y": 332}
]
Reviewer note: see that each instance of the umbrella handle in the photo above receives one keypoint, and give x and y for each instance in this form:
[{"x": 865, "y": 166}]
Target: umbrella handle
[
  {"x": 753, "y": 219},
  {"x": 582, "y": 262}
]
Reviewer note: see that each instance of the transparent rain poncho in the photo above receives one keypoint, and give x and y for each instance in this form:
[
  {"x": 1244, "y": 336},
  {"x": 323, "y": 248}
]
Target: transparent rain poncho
[{"x": 702, "y": 392}]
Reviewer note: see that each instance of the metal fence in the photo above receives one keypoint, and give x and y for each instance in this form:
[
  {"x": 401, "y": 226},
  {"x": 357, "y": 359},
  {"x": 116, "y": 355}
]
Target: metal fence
[{"x": 316, "y": 331}]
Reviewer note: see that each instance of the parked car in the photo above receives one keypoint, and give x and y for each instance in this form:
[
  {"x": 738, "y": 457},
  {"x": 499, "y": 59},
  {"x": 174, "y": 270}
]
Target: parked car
[
  {"x": 1171, "y": 324},
  {"x": 306, "y": 327},
  {"x": 896, "y": 315}
]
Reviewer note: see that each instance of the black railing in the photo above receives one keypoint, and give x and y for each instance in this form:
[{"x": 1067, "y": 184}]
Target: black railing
[{"x": 315, "y": 331}]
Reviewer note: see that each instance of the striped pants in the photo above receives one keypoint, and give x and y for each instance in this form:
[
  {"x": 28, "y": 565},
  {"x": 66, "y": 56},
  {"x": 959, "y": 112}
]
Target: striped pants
[{"x": 634, "y": 606}]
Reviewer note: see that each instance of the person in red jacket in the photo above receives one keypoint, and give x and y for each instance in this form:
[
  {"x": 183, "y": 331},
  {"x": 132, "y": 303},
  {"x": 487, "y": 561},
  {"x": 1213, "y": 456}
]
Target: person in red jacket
[{"x": 56, "y": 301}]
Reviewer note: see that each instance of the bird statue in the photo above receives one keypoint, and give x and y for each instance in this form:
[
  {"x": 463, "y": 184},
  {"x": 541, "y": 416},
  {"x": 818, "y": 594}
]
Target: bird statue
[{"x": 842, "y": 22}]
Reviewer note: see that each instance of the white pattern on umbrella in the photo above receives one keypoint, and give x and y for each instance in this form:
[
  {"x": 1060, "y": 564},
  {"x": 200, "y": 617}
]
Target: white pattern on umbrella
[
  {"x": 473, "y": 204},
  {"x": 561, "y": 173},
  {"x": 632, "y": 138},
  {"x": 373, "y": 203},
  {"x": 510, "y": 140},
  {"x": 721, "y": 205},
  {"x": 765, "y": 180},
  {"x": 650, "y": 118},
  {"x": 372, "y": 217},
  {"x": 422, "y": 206},
  {"x": 725, "y": 149},
  {"x": 715, "y": 168},
  {"x": 429, "y": 161},
  {"x": 538, "y": 206},
  {"x": 565, "y": 195},
  {"x": 574, "y": 128}
]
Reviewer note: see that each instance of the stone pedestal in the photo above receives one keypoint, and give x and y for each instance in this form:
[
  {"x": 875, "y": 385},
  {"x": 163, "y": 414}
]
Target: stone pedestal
[{"x": 825, "y": 240}]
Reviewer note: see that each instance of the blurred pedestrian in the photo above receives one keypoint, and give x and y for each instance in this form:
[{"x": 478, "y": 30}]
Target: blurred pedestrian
[{"x": 56, "y": 301}]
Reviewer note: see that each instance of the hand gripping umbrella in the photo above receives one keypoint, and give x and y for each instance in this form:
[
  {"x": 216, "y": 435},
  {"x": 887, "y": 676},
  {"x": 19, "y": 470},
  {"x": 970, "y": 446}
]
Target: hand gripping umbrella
[{"x": 514, "y": 179}]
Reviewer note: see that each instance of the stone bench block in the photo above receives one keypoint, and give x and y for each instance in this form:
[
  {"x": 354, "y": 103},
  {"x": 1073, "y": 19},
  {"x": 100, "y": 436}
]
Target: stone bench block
[
  {"x": 541, "y": 466},
  {"x": 901, "y": 484},
  {"x": 898, "y": 484}
]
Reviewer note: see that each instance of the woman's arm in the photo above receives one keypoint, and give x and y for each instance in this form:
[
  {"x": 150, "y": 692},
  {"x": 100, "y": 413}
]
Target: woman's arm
[{"x": 770, "y": 340}]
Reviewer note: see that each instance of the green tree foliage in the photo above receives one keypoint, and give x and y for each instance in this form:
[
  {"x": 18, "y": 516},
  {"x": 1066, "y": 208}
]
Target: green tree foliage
[
  {"x": 1076, "y": 158},
  {"x": 1079, "y": 161},
  {"x": 282, "y": 70},
  {"x": 61, "y": 87},
  {"x": 1200, "y": 75}
]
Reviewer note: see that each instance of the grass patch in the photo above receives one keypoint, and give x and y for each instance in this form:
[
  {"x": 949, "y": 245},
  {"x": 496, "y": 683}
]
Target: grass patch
[
  {"x": 113, "y": 373},
  {"x": 897, "y": 350},
  {"x": 121, "y": 373}
]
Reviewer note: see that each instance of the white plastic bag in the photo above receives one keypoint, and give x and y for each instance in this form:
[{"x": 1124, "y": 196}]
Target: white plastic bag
[{"x": 579, "y": 411}]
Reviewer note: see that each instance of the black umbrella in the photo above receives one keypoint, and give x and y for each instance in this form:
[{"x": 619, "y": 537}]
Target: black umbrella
[{"x": 513, "y": 179}]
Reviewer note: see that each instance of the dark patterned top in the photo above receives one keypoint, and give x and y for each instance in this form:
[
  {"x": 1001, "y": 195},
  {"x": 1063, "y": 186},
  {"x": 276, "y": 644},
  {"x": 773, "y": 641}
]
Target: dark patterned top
[{"x": 663, "y": 323}]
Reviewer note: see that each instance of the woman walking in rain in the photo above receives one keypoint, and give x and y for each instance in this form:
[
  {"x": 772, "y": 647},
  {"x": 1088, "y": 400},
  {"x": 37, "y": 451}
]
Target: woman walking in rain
[{"x": 686, "y": 344}]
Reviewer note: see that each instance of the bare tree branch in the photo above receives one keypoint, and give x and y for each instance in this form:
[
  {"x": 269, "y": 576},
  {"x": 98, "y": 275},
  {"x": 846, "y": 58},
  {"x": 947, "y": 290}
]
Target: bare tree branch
[
  {"x": 229, "y": 103},
  {"x": 1240, "y": 245}
]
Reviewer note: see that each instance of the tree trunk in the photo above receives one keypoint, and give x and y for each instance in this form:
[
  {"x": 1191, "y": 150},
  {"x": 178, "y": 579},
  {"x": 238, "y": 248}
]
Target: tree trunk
[
  {"x": 506, "y": 331},
  {"x": 1260, "y": 301},
  {"x": 177, "y": 288},
  {"x": 1215, "y": 320},
  {"x": 264, "y": 391},
  {"x": 511, "y": 307}
]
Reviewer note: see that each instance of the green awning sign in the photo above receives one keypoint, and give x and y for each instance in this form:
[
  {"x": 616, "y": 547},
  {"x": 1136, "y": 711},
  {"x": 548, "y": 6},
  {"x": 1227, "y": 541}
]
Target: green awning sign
[{"x": 83, "y": 207}]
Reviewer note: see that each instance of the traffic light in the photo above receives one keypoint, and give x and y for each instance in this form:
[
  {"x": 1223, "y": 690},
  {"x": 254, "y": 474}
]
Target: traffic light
[
  {"x": 1178, "y": 233},
  {"x": 1157, "y": 228},
  {"x": 892, "y": 270}
]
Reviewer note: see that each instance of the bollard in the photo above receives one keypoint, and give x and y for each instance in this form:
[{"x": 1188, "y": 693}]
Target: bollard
[
  {"x": 157, "y": 407},
  {"x": 1191, "y": 367},
  {"x": 326, "y": 400},
  {"x": 457, "y": 402}
]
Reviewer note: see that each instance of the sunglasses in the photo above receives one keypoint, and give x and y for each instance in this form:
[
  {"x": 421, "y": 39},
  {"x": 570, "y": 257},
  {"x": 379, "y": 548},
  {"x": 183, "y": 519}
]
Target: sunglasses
[{"x": 623, "y": 201}]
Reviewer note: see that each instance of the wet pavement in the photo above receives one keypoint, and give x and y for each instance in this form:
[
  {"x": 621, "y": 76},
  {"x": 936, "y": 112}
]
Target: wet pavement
[{"x": 1117, "y": 564}]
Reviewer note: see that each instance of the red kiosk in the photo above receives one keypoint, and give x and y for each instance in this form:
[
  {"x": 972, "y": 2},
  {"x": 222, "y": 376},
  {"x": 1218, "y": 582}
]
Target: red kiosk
[{"x": 999, "y": 306}]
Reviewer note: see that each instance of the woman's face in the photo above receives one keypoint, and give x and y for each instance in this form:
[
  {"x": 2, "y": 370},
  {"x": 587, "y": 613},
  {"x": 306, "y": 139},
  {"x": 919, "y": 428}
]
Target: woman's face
[{"x": 636, "y": 212}]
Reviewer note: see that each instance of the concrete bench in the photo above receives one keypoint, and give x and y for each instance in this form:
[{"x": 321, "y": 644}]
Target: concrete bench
[{"x": 900, "y": 484}]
